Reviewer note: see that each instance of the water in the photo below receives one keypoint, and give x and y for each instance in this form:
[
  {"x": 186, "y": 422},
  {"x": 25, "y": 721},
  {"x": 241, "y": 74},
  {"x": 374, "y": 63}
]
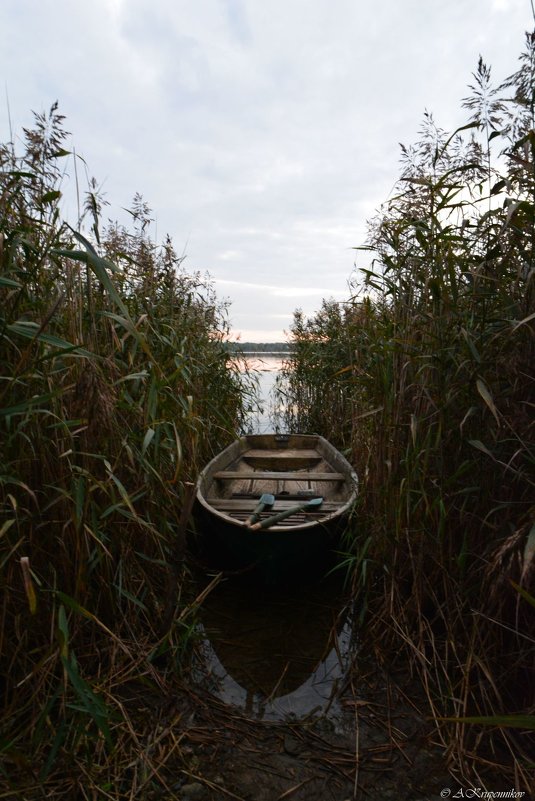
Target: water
[
  {"x": 277, "y": 656},
  {"x": 266, "y": 367}
]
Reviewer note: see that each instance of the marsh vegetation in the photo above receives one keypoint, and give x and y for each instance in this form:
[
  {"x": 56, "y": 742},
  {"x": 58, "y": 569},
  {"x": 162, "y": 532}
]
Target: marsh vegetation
[
  {"x": 425, "y": 379},
  {"x": 115, "y": 387}
]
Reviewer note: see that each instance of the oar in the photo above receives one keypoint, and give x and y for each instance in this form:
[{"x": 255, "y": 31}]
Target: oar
[
  {"x": 266, "y": 500},
  {"x": 270, "y": 521}
]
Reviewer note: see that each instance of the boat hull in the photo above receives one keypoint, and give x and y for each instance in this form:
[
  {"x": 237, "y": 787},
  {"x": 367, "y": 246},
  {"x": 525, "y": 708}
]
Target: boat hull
[{"x": 294, "y": 469}]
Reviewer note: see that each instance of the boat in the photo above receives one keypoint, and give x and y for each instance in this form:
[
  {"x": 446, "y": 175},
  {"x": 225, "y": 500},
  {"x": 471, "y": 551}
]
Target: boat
[{"x": 275, "y": 503}]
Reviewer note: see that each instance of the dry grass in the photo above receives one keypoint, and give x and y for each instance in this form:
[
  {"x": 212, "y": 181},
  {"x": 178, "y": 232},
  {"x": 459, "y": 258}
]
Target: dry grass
[
  {"x": 114, "y": 386},
  {"x": 428, "y": 373}
]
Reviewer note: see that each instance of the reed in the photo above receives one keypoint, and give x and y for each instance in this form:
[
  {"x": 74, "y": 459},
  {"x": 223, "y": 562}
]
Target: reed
[
  {"x": 115, "y": 385},
  {"x": 425, "y": 376}
]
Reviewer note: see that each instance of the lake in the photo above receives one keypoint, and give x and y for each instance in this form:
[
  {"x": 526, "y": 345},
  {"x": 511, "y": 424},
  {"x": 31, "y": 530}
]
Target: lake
[{"x": 266, "y": 367}]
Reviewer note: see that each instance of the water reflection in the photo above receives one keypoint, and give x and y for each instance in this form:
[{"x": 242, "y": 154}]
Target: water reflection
[
  {"x": 266, "y": 367},
  {"x": 273, "y": 654}
]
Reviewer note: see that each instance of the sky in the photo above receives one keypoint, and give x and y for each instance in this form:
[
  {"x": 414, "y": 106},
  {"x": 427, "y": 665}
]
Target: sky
[{"x": 263, "y": 134}]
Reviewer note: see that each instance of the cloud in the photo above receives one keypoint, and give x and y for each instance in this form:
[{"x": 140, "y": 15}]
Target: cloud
[
  {"x": 279, "y": 291},
  {"x": 263, "y": 135}
]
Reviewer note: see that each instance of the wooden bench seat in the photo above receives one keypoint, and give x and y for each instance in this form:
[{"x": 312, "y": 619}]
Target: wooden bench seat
[
  {"x": 286, "y": 453},
  {"x": 265, "y": 475},
  {"x": 281, "y": 461}
]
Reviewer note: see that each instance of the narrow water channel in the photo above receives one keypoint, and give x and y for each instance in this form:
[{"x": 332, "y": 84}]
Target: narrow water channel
[
  {"x": 291, "y": 657},
  {"x": 266, "y": 367},
  {"x": 276, "y": 654}
]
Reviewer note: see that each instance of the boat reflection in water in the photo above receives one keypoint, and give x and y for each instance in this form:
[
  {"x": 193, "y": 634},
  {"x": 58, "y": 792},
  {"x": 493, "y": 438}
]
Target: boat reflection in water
[{"x": 272, "y": 654}]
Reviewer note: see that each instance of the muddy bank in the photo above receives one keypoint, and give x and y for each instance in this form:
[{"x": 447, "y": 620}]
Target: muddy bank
[
  {"x": 381, "y": 747},
  {"x": 283, "y": 702}
]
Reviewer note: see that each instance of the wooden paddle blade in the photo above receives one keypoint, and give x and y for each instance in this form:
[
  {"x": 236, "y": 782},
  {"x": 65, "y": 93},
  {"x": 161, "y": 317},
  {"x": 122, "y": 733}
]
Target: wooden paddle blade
[
  {"x": 270, "y": 521},
  {"x": 266, "y": 502}
]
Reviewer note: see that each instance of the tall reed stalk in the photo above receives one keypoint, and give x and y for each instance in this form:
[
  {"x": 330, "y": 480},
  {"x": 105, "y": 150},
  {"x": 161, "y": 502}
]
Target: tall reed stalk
[
  {"x": 115, "y": 386},
  {"x": 425, "y": 376}
]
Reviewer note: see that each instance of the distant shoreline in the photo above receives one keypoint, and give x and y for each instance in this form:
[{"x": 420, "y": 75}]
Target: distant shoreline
[
  {"x": 259, "y": 348},
  {"x": 265, "y": 352}
]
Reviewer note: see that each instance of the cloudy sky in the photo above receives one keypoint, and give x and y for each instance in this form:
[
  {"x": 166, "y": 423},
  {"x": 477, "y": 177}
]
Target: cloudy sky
[{"x": 263, "y": 133}]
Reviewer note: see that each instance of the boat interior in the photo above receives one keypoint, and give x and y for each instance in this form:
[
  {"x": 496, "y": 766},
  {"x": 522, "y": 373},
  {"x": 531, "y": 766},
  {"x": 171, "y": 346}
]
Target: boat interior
[{"x": 302, "y": 473}]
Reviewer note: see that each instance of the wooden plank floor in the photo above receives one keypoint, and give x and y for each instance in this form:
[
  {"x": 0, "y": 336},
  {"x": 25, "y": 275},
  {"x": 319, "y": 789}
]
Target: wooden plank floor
[
  {"x": 242, "y": 505},
  {"x": 296, "y": 519}
]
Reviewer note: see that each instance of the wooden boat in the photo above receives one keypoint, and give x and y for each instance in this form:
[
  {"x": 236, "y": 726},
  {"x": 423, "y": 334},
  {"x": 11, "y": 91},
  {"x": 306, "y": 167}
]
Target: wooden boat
[{"x": 276, "y": 502}]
